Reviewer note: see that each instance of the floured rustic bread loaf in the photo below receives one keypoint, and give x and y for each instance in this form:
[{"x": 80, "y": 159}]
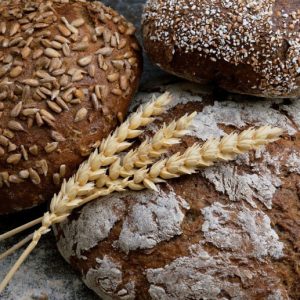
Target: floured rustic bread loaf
[
  {"x": 249, "y": 47},
  {"x": 68, "y": 70},
  {"x": 230, "y": 232}
]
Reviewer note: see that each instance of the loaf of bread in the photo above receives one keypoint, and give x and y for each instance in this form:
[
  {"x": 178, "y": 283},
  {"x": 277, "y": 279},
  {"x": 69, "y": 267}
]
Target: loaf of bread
[
  {"x": 68, "y": 71},
  {"x": 248, "y": 47},
  {"x": 229, "y": 232}
]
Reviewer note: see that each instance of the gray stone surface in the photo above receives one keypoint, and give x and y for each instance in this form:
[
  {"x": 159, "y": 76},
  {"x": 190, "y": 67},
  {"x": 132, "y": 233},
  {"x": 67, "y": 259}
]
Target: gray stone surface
[{"x": 45, "y": 273}]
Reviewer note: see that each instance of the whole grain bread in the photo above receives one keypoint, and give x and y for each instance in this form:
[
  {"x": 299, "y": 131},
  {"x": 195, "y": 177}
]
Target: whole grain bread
[
  {"x": 229, "y": 232},
  {"x": 68, "y": 71},
  {"x": 248, "y": 47}
]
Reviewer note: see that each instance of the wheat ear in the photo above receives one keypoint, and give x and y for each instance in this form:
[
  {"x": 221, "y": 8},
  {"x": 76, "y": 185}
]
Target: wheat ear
[
  {"x": 194, "y": 158},
  {"x": 149, "y": 150},
  {"x": 106, "y": 154}
]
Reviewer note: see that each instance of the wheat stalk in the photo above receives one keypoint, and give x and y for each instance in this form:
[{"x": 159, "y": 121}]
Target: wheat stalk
[{"x": 81, "y": 189}]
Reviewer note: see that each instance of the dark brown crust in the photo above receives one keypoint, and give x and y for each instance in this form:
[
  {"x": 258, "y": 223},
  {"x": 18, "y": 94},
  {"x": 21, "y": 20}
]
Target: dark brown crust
[
  {"x": 200, "y": 193},
  {"x": 80, "y": 137},
  {"x": 164, "y": 43}
]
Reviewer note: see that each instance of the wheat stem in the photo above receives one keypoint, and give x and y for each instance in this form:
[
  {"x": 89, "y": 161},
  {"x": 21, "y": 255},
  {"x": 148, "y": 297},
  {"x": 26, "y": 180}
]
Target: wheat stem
[
  {"x": 16, "y": 246},
  {"x": 19, "y": 229}
]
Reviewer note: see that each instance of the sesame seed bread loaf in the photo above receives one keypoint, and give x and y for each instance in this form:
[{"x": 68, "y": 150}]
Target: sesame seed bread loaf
[
  {"x": 248, "y": 47},
  {"x": 68, "y": 71},
  {"x": 229, "y": 232}
]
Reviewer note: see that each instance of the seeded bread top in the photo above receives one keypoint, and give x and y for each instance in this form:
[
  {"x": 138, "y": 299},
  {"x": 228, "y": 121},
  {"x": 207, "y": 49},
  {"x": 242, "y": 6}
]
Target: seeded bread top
[
  {"x": 258, "y": 40},
  {"x": 68, "y": 70}
]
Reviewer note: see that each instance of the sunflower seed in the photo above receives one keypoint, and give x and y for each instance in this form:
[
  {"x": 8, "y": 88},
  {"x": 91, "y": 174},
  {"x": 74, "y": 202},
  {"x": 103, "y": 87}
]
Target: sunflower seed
[
  {"x": 56, "y": 63},
  {"x": 50, "y": 52},
  {"x": 81, "y": 46},
  {"x": 25, "y": 52},
  {"x": 56, "y": 45},
  {"x": 66, "y": 49},
  {"x": 122, "y": 44},
  {"x": 3, "y": 140},
  {"x": 16, "y": 110},
  {"x": 77, "y": 76},
  {"x": 39, "y": 119},
  {"x": 120, "y": 117},
  {"x": 15, "y": 179},
  {"x": 81, "y": 115},
  {"x": 107, "y": 36},
  {"x": 24, "y": 174},
  {"x": 42, "y": 167},
  {"x": 113, "y": 77},
  {"x": 92, "y": 70},
  {"x": 117, "y": 92},
  {"x": 124, "y": 82},
  {"x": 48, "y": 121},
  {"x": 3, "y": 27},
  {"x": 56, "y": 179},
  {"x": 34, "y": 176},
  {"x": 64, "y": 30},
  {"x": 98, "y": 91},
  {"x": 64, "y": 80},
  {"x": 95, "y": 102},
  {"x": 14, "y": 159},
  {"x": 105, "y": 51},
  {"x": 99, "y": 30},
  {"x": 8, "y": 59},
  {"x": 72, "y": 28},
  {"x": 56, "y": 136},
  {"x": 62, "y": 171},
  {"x": 16, "y": 71},
  {"x": 53, "y": 106},
  {"x": 16, "y": 126},
  {"x": 62, "y": 103},
  {"x": 113, "y": 41},
  {"x": 29, "y": 111},
  {"x": 24, "y": 152},
  {"x": 12, "y": 147},
  {"x": 132, "y": 60},
  {"x": 78, "y": 22},
  {"x": 47, "y": 114},
  {"x": 4, "y": 69},
  {"x": 14, "y": 29},
  {"x": 118, "y": 64},
  {"x": 50, "y": 147},
  {"x": 84, "y": 61},
  {"x": 8, "y": 133},
  {"x": 61, "y": 39},
  {"x": 34, "y": 150},
  {"x": 31, "y": 82}
]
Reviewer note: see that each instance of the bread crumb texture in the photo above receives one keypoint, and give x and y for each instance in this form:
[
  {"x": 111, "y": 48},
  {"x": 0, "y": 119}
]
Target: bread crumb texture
[
  {"x": 229, "y": 232},
  {"x": 251, "y": 47},
  {"x": 68, "y": 70}
]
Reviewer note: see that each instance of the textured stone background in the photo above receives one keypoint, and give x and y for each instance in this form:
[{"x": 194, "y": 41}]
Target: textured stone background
[{"x": 45, "y": 275}]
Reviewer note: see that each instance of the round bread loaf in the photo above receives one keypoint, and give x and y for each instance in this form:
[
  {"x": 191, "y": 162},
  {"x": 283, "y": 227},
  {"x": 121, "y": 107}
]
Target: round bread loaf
[
  {"x": 248, "y": 47},
  {"x": 229, "y": 232},
  {"x": 68, "y": 71}
]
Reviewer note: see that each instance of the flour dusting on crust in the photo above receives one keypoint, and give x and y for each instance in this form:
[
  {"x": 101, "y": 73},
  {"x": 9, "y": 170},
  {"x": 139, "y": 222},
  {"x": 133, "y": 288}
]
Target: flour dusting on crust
[
  {"x": 239, "y": 115},
  {"x": 241, "y": 230},
  {"x": 106, "y": 279},
  {"x": 151, "y": 218},
  {"x": 93, "y": 225},
  {"x": 243, "y": 186},
  {"x": 293, "y": 162},
  {"x": 154, "y": 218}
]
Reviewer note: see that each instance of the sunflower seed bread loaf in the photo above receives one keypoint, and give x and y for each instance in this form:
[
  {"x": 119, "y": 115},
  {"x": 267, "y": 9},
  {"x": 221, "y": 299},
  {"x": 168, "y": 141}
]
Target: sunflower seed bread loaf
[
  {"x": 68, "y": 71},
  {"x": 229, "y": 232},
  {"x": 248, "y": 47}
]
